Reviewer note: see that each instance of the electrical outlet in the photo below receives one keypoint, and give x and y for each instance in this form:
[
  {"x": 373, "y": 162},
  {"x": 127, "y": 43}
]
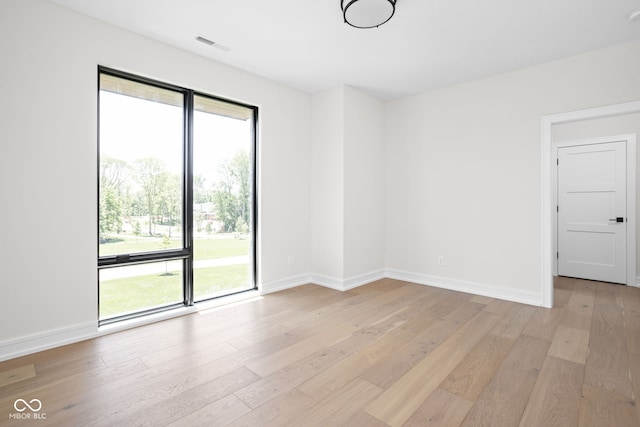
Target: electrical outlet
[
  {"x": 290, "y": 260},
  {"x": 440, "y": 260}
]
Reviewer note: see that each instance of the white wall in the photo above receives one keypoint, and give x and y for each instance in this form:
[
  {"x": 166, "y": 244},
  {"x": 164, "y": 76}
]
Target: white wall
[
  {"x": 327, "y": 184},
  {"x": 347, "y": 193},
  {"x": 364, "y": 225},
  {"x": 48, "y": 98},
  {"x": 464, "y": 165}
]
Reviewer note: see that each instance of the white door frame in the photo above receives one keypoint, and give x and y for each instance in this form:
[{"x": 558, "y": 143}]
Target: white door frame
[
  {"x": 630, "y": 140},
  {"x": 547, "y": 203}
]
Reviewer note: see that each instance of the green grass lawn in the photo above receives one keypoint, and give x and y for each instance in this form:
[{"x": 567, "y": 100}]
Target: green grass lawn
[
  {"x": 120, "y": 296},
  {"x": 217, "y": 246},
  {"x": 125, "y": 295}
]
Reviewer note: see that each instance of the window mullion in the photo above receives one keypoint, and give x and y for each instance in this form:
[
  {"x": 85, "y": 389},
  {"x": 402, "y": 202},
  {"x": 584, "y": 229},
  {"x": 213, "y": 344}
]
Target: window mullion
[{"x": 188, "y": 197}]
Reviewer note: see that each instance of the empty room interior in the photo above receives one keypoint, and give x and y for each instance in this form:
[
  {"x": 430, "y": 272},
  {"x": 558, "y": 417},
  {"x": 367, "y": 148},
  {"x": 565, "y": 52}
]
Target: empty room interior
[{"x": 332, "y": 213}]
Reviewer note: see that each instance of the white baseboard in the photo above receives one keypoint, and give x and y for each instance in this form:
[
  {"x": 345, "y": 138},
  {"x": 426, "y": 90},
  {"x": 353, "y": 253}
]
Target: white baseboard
[
  {"x": 347, "y": 284},
  {"x": 637, "y": 284},
  {"x": 475, "y": 288},
  {"x": 363, "y": 279},
  {"x": 327, "y": 282},
  {"x": 46, "y": 340},
  {"x": 286, "y": 283}
]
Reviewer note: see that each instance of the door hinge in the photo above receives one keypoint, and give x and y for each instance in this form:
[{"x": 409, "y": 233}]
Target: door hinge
[
  {"x": 557, "y": 161},
  {"x": 557, "y": 254},
  {"x": 557, "y": 208}
]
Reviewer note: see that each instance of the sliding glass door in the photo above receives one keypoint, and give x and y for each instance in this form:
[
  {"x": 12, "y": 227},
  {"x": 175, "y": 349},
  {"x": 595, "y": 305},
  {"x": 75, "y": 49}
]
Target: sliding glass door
[{"x": 176, "y": 191}]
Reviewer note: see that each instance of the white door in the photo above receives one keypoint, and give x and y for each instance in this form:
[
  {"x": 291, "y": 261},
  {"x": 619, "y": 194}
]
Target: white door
[{"x": 592, "y": 210}]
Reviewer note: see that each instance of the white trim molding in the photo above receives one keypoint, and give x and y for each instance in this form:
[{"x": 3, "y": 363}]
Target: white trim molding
[
  {"x": 46, "y": 340},
  {"x": 363, "y": 279},
  {"x": 349, "y": 283},
  {"x": 327, "y": 282},
  {"x": 547, "y": 206},
  {"x": 466, "y": 286},
  {"x": 286, "y": 283},
  {"x": 453, "y": 284},
  {"x": 322, "y": 280}
]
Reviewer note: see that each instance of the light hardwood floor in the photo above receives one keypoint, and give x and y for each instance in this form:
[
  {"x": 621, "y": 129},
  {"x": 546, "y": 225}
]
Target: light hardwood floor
[{"x": 388, "y": 353}]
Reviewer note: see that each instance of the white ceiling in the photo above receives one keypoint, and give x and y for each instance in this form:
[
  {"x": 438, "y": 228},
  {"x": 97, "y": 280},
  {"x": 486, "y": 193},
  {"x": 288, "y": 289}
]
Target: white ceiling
[{"x": 427, "y": 44}]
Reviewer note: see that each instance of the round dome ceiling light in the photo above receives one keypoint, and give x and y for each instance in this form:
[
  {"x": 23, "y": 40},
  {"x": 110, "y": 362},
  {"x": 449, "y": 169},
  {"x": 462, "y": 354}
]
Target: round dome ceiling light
[
  {"x": 634, "y": 15},
  {"x": 367, "y": 13}
]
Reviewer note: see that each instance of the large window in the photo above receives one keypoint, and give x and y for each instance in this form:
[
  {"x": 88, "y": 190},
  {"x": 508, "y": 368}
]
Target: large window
[{"x": 176, "y": 196}]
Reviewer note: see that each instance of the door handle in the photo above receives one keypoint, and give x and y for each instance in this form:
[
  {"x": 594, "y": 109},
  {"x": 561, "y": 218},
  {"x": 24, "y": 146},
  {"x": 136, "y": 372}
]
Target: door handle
[{"x": 617, "y": 219}]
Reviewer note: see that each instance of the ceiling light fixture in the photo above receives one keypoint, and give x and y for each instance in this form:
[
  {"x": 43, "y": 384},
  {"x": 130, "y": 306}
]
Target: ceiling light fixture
[
  {"x": 634, "y": 14},
  {"x": 367, "y": 13}
]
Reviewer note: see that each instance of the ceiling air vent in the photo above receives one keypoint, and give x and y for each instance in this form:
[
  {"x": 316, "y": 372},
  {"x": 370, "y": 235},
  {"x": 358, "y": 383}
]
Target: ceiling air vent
[{"x": 212, "y": 43}]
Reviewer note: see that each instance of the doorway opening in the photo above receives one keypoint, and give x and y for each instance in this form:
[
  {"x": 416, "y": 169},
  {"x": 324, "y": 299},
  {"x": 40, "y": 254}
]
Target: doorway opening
[
  {"x": 548, "y": 201},
  {"x": 595, "y": 192}
]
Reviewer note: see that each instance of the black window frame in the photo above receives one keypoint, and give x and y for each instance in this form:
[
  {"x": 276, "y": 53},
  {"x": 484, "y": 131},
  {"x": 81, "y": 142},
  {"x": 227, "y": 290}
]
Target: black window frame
[{"x": 185, "y": 254}]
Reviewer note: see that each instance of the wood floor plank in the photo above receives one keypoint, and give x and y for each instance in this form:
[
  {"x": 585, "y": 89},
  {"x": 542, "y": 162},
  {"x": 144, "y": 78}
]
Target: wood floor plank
[
  {"x": 462, "y": 313},
  {"x": 600, "y": 407},
  {"x": 219, "y": 413},
  {"x": 441, "y": 409},
  {"x": 260, "y": 334},
  {"x": 201, "y": 349},
  {"x": 342, "y": 373},
  {"x": 473, "y": 374},
  {"x": 64, "y": 394},
  {"x": 607, "y": 364},
  {"x": 123, "y": 397},
  {"x": 570, "y": 344},
  {"x": 514, "y": 321},
  {"x": 503, "y": 401},
  {"x": 334, "y": 411},
  {"x": 390, "y": 369},
  {"x": 555, "y": 399},
  {"x": 278, "y": 411},
  {"x": 543, "y": 323},
  {"x": 579, "y": 308},
  {"x": 309, "y": 317},
  {"x": 631, "y": 318},
  {"x": 634, "y": 371},
  {"x": 295, "y": 374},
  {"x": 288, "y": 355},
  {"x": 363, "y": 419},
  {"x": 58, "y": 368},
  {"x": 562, "y": 292},
  {"x": 158, "y": 406},
  {"x": 449, "y": 304},
  {"x": 481, "y": 300},
  {"x": 399, "y": 401},
  {"x": 15, "y": 375},
  {"x": 499, "y": 306}
]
